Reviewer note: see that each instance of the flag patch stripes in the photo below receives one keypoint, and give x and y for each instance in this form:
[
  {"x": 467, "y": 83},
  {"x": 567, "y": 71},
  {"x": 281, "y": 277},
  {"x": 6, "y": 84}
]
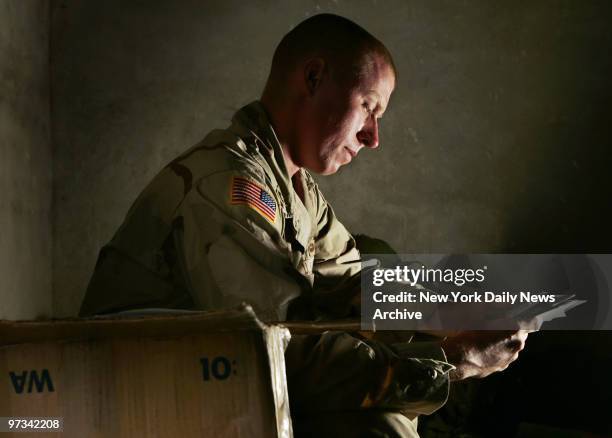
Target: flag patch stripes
[{"x": 246, "y": 192}]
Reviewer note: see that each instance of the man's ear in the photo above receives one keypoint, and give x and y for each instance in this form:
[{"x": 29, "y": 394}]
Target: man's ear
[{"x": 313, "y": 74}]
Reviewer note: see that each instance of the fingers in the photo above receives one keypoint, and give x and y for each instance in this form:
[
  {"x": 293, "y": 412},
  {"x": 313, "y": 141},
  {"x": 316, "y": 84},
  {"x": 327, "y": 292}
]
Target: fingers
[
  {"x": 478, "y": 354},
  {"x": 515, "y": 345},
  {"x": 533, "y": 325},
  {"x": 519, "y": 338},
  {"x": 507, "y": 350},
  {"x": 503, "y": 367},
  {"x": 522, "y": 334}
]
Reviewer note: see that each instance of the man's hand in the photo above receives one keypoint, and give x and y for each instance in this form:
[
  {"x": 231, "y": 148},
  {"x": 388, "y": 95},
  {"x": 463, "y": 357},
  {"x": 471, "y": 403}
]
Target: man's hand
[{"x": 480, "y": 353}]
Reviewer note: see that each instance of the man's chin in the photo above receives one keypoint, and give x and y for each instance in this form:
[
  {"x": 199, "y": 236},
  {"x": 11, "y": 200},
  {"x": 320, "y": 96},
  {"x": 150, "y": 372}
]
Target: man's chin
[
  {"x": 328, "y": 170},
  {"x": 324, "y": 168}
]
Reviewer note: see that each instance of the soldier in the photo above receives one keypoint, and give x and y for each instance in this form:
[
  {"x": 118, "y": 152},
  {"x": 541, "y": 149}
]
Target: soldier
[{"x": 238, "y": 218}]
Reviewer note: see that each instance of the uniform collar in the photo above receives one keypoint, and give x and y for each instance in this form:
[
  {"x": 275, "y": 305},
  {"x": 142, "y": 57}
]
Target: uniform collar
[{"x": 254, "y": 121}]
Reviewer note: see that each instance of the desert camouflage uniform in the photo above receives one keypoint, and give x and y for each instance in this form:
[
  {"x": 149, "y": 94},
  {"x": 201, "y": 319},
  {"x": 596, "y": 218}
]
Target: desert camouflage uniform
[{"x": 222, "y": 224}]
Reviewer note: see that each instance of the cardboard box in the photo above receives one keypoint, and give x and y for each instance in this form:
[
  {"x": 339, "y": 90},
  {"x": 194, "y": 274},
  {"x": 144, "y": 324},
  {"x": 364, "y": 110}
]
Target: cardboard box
[{"x": 215, "y": 374}]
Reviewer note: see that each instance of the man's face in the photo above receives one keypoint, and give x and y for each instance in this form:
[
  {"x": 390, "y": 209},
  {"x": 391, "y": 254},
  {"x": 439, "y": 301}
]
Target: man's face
[{"x": 340, "y": 118}]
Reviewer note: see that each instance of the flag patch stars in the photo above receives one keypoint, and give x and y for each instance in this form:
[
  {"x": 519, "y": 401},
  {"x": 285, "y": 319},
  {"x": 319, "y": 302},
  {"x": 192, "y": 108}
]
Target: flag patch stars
[{"x": 246, "y": 192}]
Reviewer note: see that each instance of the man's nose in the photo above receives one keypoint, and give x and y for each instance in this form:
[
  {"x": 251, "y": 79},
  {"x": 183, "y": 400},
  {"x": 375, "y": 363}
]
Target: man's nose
[{"x": 368, "y": 136}]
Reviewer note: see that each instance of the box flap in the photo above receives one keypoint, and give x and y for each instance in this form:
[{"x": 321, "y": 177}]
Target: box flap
[{"x": 142, "y": 323}]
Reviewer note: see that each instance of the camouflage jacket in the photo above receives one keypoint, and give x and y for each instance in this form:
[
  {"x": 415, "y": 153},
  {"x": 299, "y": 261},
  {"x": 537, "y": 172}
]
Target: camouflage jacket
[{"x": 222, "y": 224}]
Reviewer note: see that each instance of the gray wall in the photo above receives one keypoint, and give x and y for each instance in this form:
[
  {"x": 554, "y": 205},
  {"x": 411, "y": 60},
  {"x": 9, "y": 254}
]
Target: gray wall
[
  {"x": 496, "y": 138},
  {"x": 25, "y": 160}
]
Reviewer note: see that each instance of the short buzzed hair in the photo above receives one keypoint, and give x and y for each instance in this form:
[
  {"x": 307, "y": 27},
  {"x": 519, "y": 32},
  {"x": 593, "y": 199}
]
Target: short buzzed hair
[{"x": 346, "y": 46}]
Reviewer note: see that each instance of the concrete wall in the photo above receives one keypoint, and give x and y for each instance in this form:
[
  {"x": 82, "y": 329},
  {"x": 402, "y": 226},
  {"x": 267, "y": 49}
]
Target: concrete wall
[
  {"x": 496, "y": 138},
  {"x": 25, "y": 160}
]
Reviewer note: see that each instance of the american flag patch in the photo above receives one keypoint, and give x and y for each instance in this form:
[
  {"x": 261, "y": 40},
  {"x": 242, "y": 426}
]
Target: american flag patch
[{"x": 248, "y": 193}]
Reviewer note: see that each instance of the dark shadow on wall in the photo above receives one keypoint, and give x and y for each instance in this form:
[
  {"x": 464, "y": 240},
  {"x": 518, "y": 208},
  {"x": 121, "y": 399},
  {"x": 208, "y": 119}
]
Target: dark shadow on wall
[
  {"x": 561, "y": 385},
  {"x": 564, "y": 202}
]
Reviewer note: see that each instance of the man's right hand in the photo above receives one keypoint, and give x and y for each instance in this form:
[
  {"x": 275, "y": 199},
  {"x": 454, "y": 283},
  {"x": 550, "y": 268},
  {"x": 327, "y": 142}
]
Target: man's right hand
[{"x": 480, "y": 353}]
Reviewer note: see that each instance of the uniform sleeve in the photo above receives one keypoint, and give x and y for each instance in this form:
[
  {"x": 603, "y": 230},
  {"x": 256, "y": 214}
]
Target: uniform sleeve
[
  {"x": 233, "y": 247},
  {"x": 235, "y": 252},
  {"x": 336, "y": 253},
  {"x": 336, "y": 263},
  {"x": 340, "y": 371}
]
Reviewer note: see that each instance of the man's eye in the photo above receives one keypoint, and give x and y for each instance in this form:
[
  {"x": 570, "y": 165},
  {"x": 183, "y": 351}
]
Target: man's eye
[{"x": 367, "y": 108}]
